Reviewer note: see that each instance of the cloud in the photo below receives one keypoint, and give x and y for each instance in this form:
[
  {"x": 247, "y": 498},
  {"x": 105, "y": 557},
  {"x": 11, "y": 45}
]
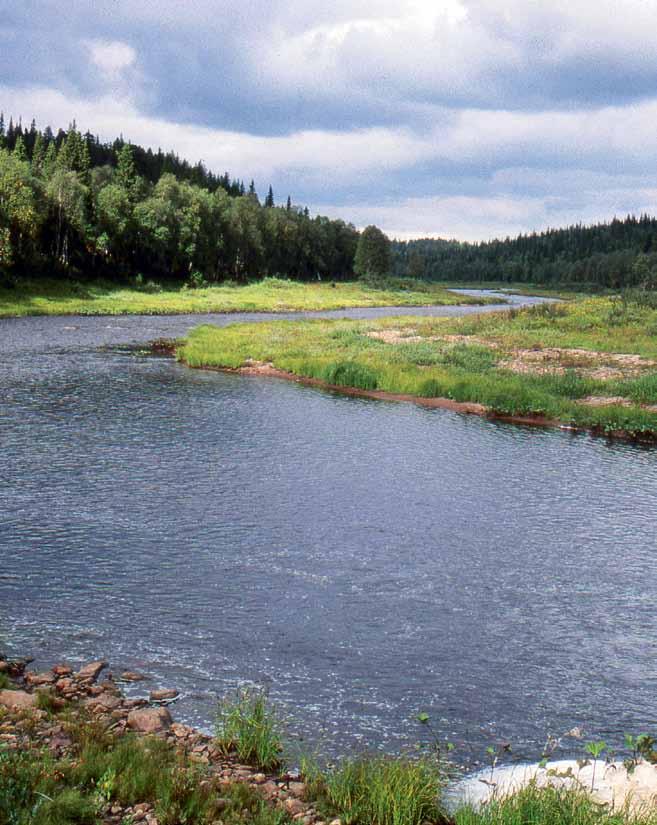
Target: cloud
[
  {"x": 112, "y": 57},
  {"x": 465, "y": 116}
]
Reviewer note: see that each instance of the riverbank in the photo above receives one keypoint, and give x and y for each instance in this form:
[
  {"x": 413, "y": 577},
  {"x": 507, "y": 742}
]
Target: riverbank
[
  {"x": 74, "y": 749},
  {"x": 589, "y": 364},
  {"x": 268, "y": 295}
]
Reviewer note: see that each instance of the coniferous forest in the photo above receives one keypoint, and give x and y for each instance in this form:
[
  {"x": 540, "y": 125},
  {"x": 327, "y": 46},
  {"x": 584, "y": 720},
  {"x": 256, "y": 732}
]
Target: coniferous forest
[
  {"x": 616, "y": 254},
  {"x": 75, "y": 207}
]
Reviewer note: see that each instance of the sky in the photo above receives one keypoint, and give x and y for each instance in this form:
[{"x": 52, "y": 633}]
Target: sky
[{"x": 466, "y": 119}]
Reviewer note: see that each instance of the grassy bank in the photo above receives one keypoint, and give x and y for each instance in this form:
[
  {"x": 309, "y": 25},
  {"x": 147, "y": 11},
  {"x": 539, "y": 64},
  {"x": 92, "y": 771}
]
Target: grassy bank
[
  {"x": 75, "y": 749},
  {"x": 70, "y": 754},
  {"x": 268, "y": 295},
  {"x": 590, "y": 363}
]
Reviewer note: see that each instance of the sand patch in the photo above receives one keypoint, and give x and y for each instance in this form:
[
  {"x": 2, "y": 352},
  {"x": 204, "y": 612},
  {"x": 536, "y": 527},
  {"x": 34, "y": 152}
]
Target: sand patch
[
  {"x": 397, "y": 336},
  {"x": 602, "y": 366},
  {"x": 605, "y": 401},
  {"x": 612, "y": 784}
]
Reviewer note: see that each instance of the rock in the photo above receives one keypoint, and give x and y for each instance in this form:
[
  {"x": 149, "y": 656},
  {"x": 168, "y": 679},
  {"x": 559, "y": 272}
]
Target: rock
[
  {"x": 149, "y": 720},
  {"x": 135, "y": 703},
  {"x": 4, "y": 666},
  {"x": 294, "y": 806},
  {"x": 17, "y": 699},
  {"x": 38, "y": 679},
  {"x": 132, "y": 676},
  {"x": 179, "y": 731},
  {"x": 59, "y": 743},
  {"x": 259, "y": 778},
  {"x": 335, "y": 822},
  {"x": 103, "y": 703},
  {"x": 270, "y": 789},
  {"x": 163, "y": 695},
  {"x": 90, "y": 671},
  {"x": 220, "y": 803},
  {"x": 140, "y": 810},
  {"x": 297, "y": 788},
  {"x": 62, "y": 670}
]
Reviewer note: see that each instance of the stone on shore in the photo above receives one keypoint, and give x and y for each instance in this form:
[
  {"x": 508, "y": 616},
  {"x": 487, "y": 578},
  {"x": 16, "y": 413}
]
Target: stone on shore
[
  {"x": 132, "y": 676},
  {"x": 18, "y": 699},
  {"x": 91, "y": 670},
  {"x": 163, "y": 695},
  {"x": 149, "y": 720},
  {"x": 39, "y": 679}
]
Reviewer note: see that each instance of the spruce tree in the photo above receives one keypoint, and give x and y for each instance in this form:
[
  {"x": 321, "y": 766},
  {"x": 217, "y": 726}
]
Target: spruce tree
[
  {"x": 19, "y": 148},
  {"x": 38, "y": 154},
  {"x": 126, "y": 174},
  {"x": 269, "y": 200}
]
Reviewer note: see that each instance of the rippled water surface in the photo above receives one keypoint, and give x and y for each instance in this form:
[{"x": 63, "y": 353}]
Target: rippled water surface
[{"x": 365, "y": 560}]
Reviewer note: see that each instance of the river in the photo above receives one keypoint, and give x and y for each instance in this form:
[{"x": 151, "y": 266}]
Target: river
[{"x": 363, "y": 560}]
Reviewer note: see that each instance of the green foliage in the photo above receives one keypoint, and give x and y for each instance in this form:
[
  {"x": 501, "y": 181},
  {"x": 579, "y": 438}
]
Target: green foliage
[
  {"x": 73, "y": 205},
  {"x": 380, "y": 791},
  {"x": 247, "y": 724},
  {"x": 372, "y": 253},
  {"x": 608, "y": 255},
  {"x": 351, "y": 374}
]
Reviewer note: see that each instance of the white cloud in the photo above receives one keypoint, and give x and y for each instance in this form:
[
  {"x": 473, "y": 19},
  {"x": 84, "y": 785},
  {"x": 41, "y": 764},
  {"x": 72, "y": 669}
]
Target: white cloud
[{"x": 112, "y": 57}]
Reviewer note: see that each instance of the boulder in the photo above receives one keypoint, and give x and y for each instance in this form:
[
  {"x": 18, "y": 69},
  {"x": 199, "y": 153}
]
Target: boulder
[
  {"x": 149, "y": 720},
  {"x": 131, "y": 676},
  {"x": 90, "y": 672},
  {"x": 62, "y": 670},
  {"x": 103, "y": 703},
  {"x": 163, "y": 695},
  {"x": 17, "y": 699},
  {"x": 39, "y": 679}
]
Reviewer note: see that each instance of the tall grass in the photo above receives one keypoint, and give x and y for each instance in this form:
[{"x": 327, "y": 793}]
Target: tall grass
[
  {"x": 550, "y": 806},
  {"x": 247, "y": 724},
  {"x": 380, "y": 791}
]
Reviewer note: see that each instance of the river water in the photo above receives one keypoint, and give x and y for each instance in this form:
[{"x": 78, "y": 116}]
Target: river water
[{"x": 363, "y": 560}]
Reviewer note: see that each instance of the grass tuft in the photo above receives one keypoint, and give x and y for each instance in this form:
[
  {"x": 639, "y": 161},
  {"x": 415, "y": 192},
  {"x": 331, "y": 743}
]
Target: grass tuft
[
  {"x": 550, "y": 806},
  {"x": 247, "y": 724},
  {"x": 380, "y": 791}
]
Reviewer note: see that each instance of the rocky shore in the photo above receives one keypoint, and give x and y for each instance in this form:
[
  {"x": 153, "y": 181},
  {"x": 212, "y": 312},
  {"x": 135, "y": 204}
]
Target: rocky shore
[{"x": 38, "y": 708}]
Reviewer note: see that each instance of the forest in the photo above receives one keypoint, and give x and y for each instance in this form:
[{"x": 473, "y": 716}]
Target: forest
[
  {"x": 74, "y": 207},
  {"x": 621, "y": 253}
]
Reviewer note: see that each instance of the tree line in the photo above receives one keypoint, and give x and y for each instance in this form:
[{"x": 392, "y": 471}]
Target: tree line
[
  {"x": 615, "y": 254},
  {"x": 74, "y": 206}
]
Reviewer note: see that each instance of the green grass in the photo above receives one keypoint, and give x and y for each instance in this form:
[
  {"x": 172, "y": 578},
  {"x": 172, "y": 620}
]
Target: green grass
[
  {"x": 248, "y": 725},
  {"x": 379, "y": 790},
  {"x": 36, "y": 789},
  {"x": 550, "y": 806},
  {"x": 268, "y": 295},
  {"x": 424, "y": 361},
  {"x": 5, "y": 682}
]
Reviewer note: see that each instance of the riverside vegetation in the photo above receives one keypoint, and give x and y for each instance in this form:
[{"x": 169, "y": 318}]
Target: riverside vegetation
[
  {"x": 590, "y": 363},
  {"x": 268, "y": 295},
  {"x": 75, "y": 751}
]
